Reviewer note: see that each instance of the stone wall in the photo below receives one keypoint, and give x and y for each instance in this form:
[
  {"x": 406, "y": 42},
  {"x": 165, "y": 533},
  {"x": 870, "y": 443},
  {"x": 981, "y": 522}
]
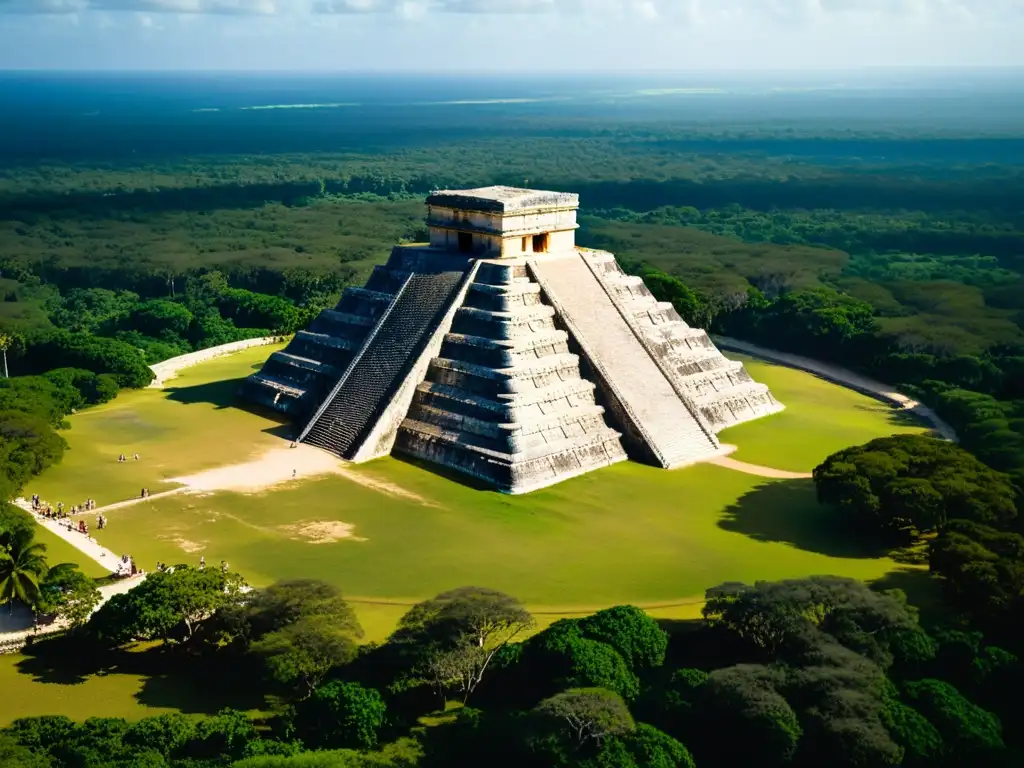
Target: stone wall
[{"x": 168, "y": 369}]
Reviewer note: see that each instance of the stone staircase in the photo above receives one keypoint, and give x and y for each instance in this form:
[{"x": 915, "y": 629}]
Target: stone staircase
[
  {"x": 658, "y": 422},
  {"x": 375, "y": 372},
  {"x": 295, "y": 380},
  {"x": 721, "y": 389},
  {"x": 504, "y": 401}
]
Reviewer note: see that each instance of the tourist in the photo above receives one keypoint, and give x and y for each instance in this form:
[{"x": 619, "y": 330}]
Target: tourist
[
  {"x": 223, "y": 566},
  {"x": 202, "y": 562},
  {"x": 136, "y": 457},
  {"x": 295, "y": 473}
]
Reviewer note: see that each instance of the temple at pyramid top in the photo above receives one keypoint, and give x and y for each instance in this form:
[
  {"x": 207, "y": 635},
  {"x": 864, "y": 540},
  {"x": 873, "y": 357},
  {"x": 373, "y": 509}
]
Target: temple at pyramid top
[
  {"x": 502, "y": 351},
  {"x": 502, "y": 222}
]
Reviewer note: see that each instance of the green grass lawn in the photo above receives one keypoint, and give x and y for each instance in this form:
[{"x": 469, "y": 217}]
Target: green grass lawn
[
  {"x": 185, "y": 428},
  {"x": 129, "y": 687},
  {"x": 25, "y": 695},
  {"x": 628, "y": 533},
  {"x": 820, "y": 419}
]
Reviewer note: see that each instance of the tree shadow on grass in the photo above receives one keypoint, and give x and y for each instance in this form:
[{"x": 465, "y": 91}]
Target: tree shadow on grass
[
  {"x": 58, "y": 660},
  {"x": 788, "y": 512},
  {"x": 169, "y": 679},
  {"x": 192, "y": 694},
  {"x": 223, "y": 394}
]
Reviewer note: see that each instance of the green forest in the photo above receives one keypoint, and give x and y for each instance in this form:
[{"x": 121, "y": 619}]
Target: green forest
[{"x": 910, "y": 270}]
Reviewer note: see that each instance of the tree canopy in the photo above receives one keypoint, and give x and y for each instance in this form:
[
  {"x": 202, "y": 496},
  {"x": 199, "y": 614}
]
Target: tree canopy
[{"x": 908, "y": 485}]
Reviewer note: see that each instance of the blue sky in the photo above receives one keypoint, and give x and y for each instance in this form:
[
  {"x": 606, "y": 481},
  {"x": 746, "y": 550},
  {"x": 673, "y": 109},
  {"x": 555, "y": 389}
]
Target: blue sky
[{"x": 509, "y": 35}]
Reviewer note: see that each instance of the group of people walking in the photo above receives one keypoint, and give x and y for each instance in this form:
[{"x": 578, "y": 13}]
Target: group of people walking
[
  {"x": 127, "y": 567},
  {"x": 59, "y": 512}
]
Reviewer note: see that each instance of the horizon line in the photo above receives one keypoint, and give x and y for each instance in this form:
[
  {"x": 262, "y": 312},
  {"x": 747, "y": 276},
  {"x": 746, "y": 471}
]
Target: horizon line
[{"x": 756, "y": 72}]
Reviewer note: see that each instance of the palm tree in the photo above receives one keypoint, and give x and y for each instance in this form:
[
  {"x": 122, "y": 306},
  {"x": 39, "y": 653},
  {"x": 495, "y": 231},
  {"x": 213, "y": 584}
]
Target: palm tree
[{"x": 22, "y": 568}]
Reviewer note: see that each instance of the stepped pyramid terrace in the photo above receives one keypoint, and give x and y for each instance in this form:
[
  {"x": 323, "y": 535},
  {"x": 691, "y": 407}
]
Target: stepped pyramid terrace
[{"x": 503, "y": 351}]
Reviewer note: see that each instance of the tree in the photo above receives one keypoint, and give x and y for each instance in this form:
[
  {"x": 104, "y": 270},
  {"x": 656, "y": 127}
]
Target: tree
[
  {"x": 158, "y": 317},
  {"x": 167, "y": 605},
  {"x": 14, "y": 522},
  {"x": 561, "y": 657},
  {"x": 166, "y": 734},
  {"x": 286, "y": 602},
  {"x": 41, "y": 733},
  {"x": 14, "y": 755},
  {"x": 7, "y": 340},
  {"x": 968, "y": 731},
  {"x": 300, "y": 655},
  {"x": 458, "y": 633},
  {"x": 750, "y": 722},
  {"x": 28, "y": 445},
  {"x": 647, "y": 747},
  {"x": 635, "y": 635},
  {"x": 671, "y": 703},
  {"x": 921, "y": 742},
  {"x": 222, "y": 737},
  {"x": 908, "y": 485},
  {"x": 789, "y": 616},
  {"x": 341, "y": 714},
  {"x": 587, "y": 714},
  {"x": 22, "y": 568},
  {"x": 838, "y": 695},
  {"x": 68, "y": 594},
  {"x": 983, "y": 574}
]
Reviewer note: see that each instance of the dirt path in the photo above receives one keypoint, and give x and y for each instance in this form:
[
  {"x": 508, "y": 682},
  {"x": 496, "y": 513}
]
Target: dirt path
[
  {"x": 758, "y": 470},
  {"x": 282, "y": 465},
  {"x": 84, "y": 543},
  {"x": 843, "y": 376},
  {"x": 14, "y": 639},
  {"x": 275, "y": 467}
]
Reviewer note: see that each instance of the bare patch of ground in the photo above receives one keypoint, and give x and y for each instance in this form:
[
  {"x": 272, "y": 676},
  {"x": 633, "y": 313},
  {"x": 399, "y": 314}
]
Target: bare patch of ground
[
  {"x": 321, "y": 531},
  {"x": 283, "y": 465},
  {"x": 756, "y": 469},
  {"x": 189, "y": 547}
]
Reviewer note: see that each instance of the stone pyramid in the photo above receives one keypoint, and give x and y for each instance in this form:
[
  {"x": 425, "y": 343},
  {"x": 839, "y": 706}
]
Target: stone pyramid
[{"x": 504, "y": 352}]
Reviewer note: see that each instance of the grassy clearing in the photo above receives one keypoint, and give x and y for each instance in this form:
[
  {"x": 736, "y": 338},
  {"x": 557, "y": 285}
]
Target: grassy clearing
[
  {"x": 26, "y": 695},
  {"x": 629, "y": 533},
  {"x": 820, "y": 419},
  {"x": 45, "y": 681},
  {"x": 185, "y": 428}
]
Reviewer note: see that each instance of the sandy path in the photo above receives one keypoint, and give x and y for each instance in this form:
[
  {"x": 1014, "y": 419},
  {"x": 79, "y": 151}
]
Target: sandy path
[
  {"x": 282, "y": 465},
  {"x": 758, "y": 470},
  {"x": 80, "y": 541},
  {"x": 839, "y": 375},
  {"x": 13, "y": 640}
]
